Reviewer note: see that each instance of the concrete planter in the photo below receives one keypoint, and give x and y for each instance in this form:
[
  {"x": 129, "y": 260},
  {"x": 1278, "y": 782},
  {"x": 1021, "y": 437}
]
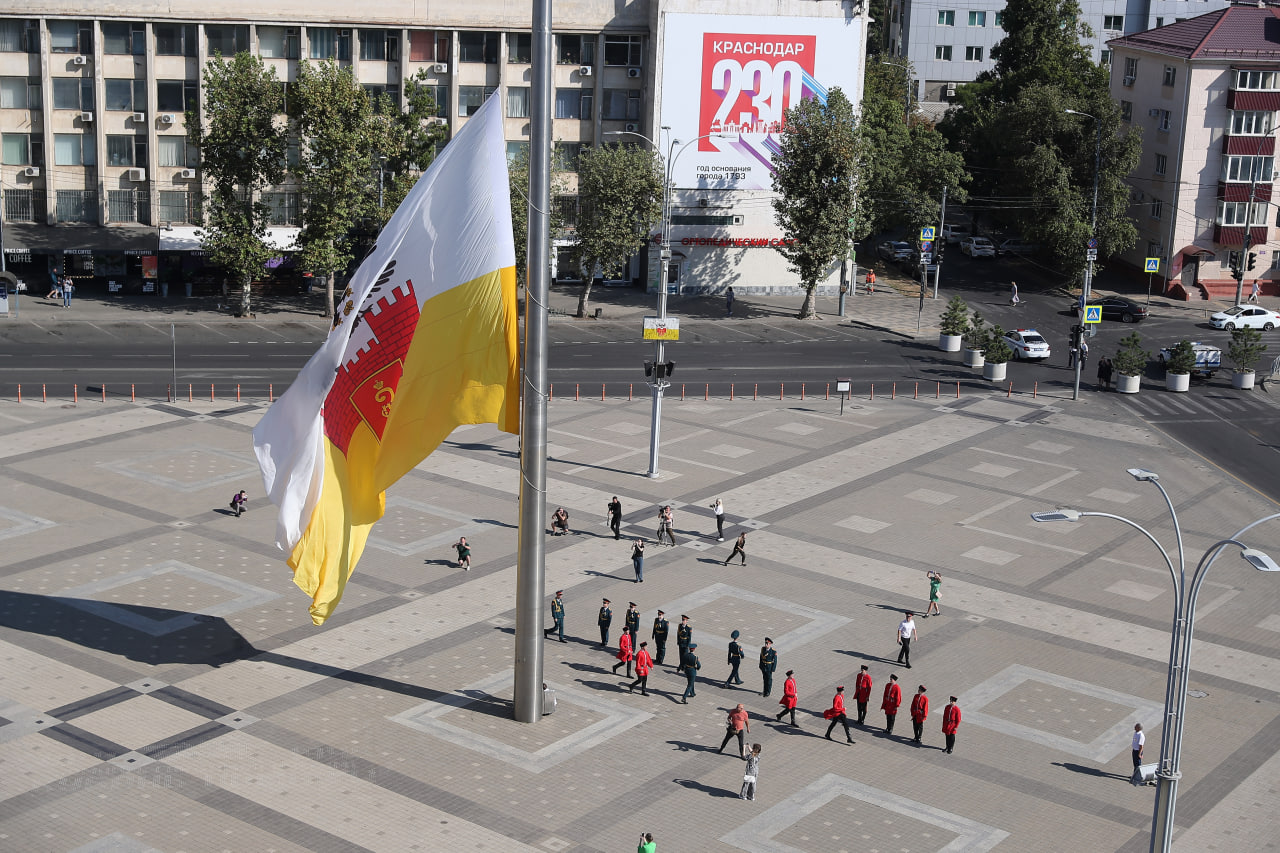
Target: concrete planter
[
  {"x": 949, "y": 343},
  {"x": 1242, "y": 379},
  {"x": 1177, "y": 381},
  {"x": 974, "y": 358},
  {"x": 1128, "y": 384},
  {"x": 994, "y": 372}
]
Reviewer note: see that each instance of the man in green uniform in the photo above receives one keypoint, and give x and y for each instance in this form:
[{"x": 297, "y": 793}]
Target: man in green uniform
[
  {"x": 604, "y": 620},
  {"x": 735, "y": 659},
  {"x": 690, "y": 664},
  {"x": 768, "y": 663},
  {"x": 557, "y": 613},
  {"x": 633, "y": 624},
  {"x": 684, "y": 636},
  {"x": 661, "y": 627}
]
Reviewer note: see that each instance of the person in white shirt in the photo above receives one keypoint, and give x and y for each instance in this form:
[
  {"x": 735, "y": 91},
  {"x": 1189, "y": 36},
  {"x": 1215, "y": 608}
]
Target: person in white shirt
[
  {"x": 718, "y": 509},
  {"x": 1139, "y": 741},
  {"x": 906, "y": 633}
]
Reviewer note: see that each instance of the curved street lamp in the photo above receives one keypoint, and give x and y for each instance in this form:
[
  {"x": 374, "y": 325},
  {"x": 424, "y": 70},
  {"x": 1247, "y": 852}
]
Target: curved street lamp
[{"x": 1184, "y": 617}]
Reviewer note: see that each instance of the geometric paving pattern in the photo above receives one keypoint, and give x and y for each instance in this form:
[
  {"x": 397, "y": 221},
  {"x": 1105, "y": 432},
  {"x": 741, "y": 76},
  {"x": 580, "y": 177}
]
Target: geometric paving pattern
[
  {"x": 186, "y": 469},
  {"x": 15, "y": 523},
  {"x": 405, "y": 517}
]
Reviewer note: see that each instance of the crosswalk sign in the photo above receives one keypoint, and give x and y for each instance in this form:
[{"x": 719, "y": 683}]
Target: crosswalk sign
[
  {"x": 1152, "y": 265},
  {"x": 1093, "y": 314},
  {"x": 927, "y": 234}
]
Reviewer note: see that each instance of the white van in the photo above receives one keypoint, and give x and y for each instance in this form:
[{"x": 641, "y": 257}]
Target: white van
[{"x": 956, "y": 233}]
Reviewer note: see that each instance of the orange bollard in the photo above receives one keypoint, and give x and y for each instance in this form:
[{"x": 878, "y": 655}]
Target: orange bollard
[
  {"x": 873, "y": 390},
  {"x": 190, "y": 393},
  {"x": 44, "y": 393},
  {"x": 601, "y": 392},
  {"x": 1010, "y": 394},
  {"x": 237, "y": 392},
  {"x": 19, "y": 392},
  {"x": 730, "y": 391},
  {"x": 104, "y": 393},
  {"x": 681, "y": 392},
  {"x": 755, "y": 394},
  {"x": 271, "y": 392},
  {"x": 893, "y": 391},
  {"x": 916, "y": 395},
  {"x": 75, "y": 392},
  {"x": 706, "y": 392},
  {"x": 168, "y": 393},
  {"x": 801, "y": 390},
  {"x": 211, "y": 392},
  {"x": 957, "y": 390},
  {"x": 938, "y": 393},
  {"x": 133, "y": 393},
  {"x": 576, "y": 398},
  {"x": 631, "y": 387},
  {"x": 552, "y": 390},
  {"x": 1035, "y": 388},
  {"x": 828, "y": 390},
  {"x": 782, "y": 387}
]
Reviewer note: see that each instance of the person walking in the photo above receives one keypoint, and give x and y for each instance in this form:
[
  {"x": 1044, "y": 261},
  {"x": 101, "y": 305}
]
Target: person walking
[
  {"x": 871, "y": 280},
  {"x": 739, "y": 548},
  {"x": 919, "y": 713},
  {"x": 735, "y": 660},
  {"x": 768, "y": 663},
  {"x": 1104, "y": 373},
  {"x": 890, "y": 703},
  {"x": 935, "y": 584},
  {"x": 684, "y": 637},
  {"x": 615, "y": 517},
  {"x": 624, "y": 655},
  {"x": 690, "y": 664},
  {"x": 1255, "y": 293},
  {"x": 464, "y": 553},
  {"x": 728, "y": 302},
  {"x": 1013, "y": 295},
  {"x": 1138, "y": 744},
  {"x": 557, "y": 616},
  {"x": 647, "y": 844},
  {"x": 1084, "y": 354},
  {"x": 631, "y": 624},
  {"x": 659, "y": 636},
  {"x": 637, "y": 558},
  {"x": 862, "y": 692},
  {"x": 836, "y": 715},
  {"x": 604, "y": 620},
  {"x": 644, "y": 664},
  {"x": 906, "y": 633},
  {"x": 238, "y": 500},
  {"x": 752, "y": 773},
  {"x": 951, "y": 722},
  {"x": 55, "y": 288},
  {"x": 737, "y": 724},
  {"x": 666, "y": 518},
  {"x": 789, "y": 698},
  {"x": 718, "y": 509},
  {"x": 1072, "y": 353}
]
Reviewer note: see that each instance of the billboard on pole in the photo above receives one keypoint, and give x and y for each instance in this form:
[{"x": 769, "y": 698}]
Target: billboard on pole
[{"x": 731, "y": 78}]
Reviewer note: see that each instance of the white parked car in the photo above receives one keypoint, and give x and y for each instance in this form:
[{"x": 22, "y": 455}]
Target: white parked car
[
  {"x": 1245, "y": 317},
  {"x": 956, "y": 233},
  {"x": 1027, "y": 343},
  {"x": 978, "y": 247},
  {"x": 1016, "y": 247}
]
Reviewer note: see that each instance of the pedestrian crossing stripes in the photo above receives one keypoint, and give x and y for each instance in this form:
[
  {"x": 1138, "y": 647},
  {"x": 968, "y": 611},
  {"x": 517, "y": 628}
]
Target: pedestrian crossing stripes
[{"x": 1214, "y": 404}]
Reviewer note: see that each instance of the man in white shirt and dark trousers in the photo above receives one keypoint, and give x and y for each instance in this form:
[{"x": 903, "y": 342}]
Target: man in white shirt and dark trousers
[
  {"x": 906, "y": 633},
  {"x": 1139, "y": 741},
  {"x": 718, "y": 509}
]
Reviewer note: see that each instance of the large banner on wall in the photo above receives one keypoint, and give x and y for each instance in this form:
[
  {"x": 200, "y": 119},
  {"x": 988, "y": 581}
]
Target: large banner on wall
[{"x": 730, "y": 78}]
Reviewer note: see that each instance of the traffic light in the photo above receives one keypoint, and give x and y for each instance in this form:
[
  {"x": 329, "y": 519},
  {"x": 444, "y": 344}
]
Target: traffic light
[
  {"x": 660, "y": 370},
  {"x": 648, "y": 368},
  {"x": 1253, "y": 260},
  {"x": 1233, "y": 261}
]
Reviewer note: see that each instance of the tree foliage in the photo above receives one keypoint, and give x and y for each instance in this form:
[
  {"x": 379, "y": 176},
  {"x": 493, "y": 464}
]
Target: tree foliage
[
  {"x": 619, "y": 199},
  {"x": 518, "y": 180},
  {"x": 1032, "y": 162},
  {"x": 242, "y": 147},
  {"x": 814, "y": 176}
]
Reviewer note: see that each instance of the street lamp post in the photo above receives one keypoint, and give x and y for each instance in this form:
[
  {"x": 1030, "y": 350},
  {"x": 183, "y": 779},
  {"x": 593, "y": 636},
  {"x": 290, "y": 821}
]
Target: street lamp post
[
  {"x": 1093, "y": 233},
  {"x": 1184, "y": 617},
  {"x": 660, "y": 383}
]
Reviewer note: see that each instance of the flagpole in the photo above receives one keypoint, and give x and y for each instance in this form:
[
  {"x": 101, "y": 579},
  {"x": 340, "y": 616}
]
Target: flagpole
[{"x": 531, "y": 561}]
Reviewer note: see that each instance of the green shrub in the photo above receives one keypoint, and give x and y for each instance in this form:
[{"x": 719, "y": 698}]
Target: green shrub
[
  {"x": 1182, "y": 358},
  {"x": 1245, "y": 349},
  {"x": 997, "y": 351},
  {"x": 955, "y": 319},
  {"x": 1131, "y": 359}
]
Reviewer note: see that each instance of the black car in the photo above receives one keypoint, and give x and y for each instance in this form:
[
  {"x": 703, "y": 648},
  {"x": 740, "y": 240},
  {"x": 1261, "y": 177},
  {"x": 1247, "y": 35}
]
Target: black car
[{"x": 1116, "y": 308}]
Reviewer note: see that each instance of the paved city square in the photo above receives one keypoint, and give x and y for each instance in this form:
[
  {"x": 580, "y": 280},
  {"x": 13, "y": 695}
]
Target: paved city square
[{"x": 163, "y": 688}]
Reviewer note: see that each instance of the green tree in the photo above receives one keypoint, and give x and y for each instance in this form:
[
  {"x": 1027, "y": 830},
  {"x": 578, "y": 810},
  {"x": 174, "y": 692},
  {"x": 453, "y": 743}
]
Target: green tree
[
  {"x": 518, "y": 177},
  {"x": 619, "y": 199},
  {"x": 406, "y": 141},
  {"x": 905, "y": 162},
  {"x": 242, "y": 147},
  {"x": 814, "y": 177},
  {"x": 1033, "y": 164}
]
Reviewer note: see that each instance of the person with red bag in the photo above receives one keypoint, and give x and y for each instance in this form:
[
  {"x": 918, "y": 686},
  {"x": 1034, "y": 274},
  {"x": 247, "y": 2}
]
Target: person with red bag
[
  {"x": 624, "y": 653},
  {"x": 891, "y": 702},
  {"x": 862, "y": 692},
  {"x": 919, "y": 713},
  {"x": 644, "y": 664},
  {"x": 836, "y": 715},
  {"x": 788, "y": 700}
]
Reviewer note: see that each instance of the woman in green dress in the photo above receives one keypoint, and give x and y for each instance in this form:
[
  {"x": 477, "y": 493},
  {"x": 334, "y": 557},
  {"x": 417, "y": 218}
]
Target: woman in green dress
[{"x": 935, "y": 581}]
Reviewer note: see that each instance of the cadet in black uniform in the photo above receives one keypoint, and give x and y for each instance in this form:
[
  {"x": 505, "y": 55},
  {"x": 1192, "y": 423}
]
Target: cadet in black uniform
[
  {"x": 633, "y": 623},
  {"x": 605, "y": 619},
  {"x": 735, "y": 660},
  {"x": 684, "y": 637},
  {"x": 690, "y": 664},
  {"x": 768, "y": 663},
  {"x": 660, "y": 629},
  {"x": 557, "y": 613}
]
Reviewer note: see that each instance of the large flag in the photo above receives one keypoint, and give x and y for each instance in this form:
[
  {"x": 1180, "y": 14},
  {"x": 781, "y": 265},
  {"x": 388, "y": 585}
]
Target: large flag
[{"x": 423, "y": 339}]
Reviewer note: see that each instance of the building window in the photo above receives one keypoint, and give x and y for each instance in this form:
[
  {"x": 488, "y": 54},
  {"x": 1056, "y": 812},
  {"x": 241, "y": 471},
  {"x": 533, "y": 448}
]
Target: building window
[
  {"x": 519, "y": 48},
  {"x": 71, "y": 37},
  {"x": 19, "y": 36},
  {"x": 125, "y": 95},
  {"x": 73, "y": 93},
  {"x": 379, "y": 45},
  {"x": 621, "y": 105},
  {"x": 121, "y": 38},
  {"x": 19, "y": 93},
  {"x": 74, "y": 149},
  {"x": 477, "y": 47},
  {"x": 75, "y": 206},
  {"x": 1000, "y": 19},
  {"x": 1130, "y": 67},
  {"x": 946, "y": 17},
  {"x": 1159, "y": 22},
  {"x": 329, "y": 43},
  {"x": 175, "y": 39},
  {"x": 428, "y": 46},
  {"x": 126, "y": 150},
  {"x": 226, "y": 39},
  {"x": 623, "y": 50},
  {"x": 1113, "y": 23},
  {"x": 517, "y": 102},
  {"x": 977, "y": 19},
  {"x": 1126, "y": 111},
  {"x": 1263, "y": 80},
  {"x": 942, "y": 52},
  {"x": 128, "y": 205},
  {"x": 1235, "y": 213},
  {"x": 1162, "y": 121},
  {"x": 564, "y": 156},
  {"x": 278, "y": 42},
  {"x": 1162, "y": 164},
  {"x": 1157, "y": 208},
  {"x": 15, "y": 149},
  {"x": 1170, "y": 76},
  {"x": 576, "y": 50},
  {"x": 1104, "y": 59},
  {"x": 284, "y": 207},
  {"x": 573, "y": 103},
  {"x": 179, "y": 206},
  {"x": 174, "y": 152},
  {"x": 1251, "y": 122},
  {"x": 23, "y": 206},
  {"x": 176, "y": 96},
  {"x": 439, "y": 96},
  {"x": 472, "y": 98},
  {"x": 1246, "y": 169},
  {"x": 973, "y": 53}
]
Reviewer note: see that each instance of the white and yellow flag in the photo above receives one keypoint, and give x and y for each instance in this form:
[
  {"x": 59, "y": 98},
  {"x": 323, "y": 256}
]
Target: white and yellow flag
[{"x": 424, "y": 339}]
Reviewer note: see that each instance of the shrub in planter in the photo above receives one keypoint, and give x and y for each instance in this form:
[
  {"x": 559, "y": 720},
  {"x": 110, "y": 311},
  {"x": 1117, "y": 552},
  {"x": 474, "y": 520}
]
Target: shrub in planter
[
  {"x": 1182, "y": 358},
  {"x": 1245, "y": 349},
  {"x": 996, "y": 350},
  {"x": 975, "y": 334},
  {"x": 1131, "y": 359},
  {"x": 955, "y": 318}
]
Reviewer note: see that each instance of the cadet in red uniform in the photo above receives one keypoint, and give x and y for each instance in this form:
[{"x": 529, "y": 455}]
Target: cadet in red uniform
[
  {"x": 862, "y": 692},
  {"x": 644, "y": 664},
  {"x": 836, "y": 715},
  {"x": 891, "y": 702},
  {"x": 788, "y": 700},
  {"x": 919, "y": 713},
  {"x": 624, "y": 653},
  {"x": 950, "y": 722}
]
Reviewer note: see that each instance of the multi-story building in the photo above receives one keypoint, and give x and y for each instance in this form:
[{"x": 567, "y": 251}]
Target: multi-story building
[
  {"x": 1206, "y": 92},
  {"x": 949, "y": 44},
  {"x": 99, "y": 179}
]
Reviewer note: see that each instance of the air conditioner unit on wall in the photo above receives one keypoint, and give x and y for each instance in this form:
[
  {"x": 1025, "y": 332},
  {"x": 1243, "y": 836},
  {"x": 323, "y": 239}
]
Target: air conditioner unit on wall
[
  {"x": 441, "y": 68},
  {"x": 31, "y": 171},
  {"x": 86, "y": 117},
  {"x": 1153, "y": 112},
  {"x": 585, "y": 70},
  {"x": 1128, "y": 81},
  {"x": 951, "y": 90},
  {"x": 166, "y": 118},
  {"x": 187, "y": 174},
  {"x": 80, "y": 60},
  {"x": 632, "y": 128},
  {"x": 136, "y": 174},
  {"x": 139, "y": 117},
  {"x": 737, "y": 220},
  {"x": 633, "y": 72}
]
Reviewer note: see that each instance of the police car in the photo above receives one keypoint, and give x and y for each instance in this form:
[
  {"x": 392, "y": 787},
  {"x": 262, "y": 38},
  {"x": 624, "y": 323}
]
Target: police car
[{"x": 1027, "y": 343}]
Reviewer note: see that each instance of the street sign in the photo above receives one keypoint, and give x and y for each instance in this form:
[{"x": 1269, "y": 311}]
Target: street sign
[
  {"x": 1091, "y": 254},
  {"x": 1151, "y": 265},
  {"x": 927, "y": 233},
  {"x": 662, "y": 328},
  {"x": 1093, "y": 243},
  {"x": 1093, "y": 314}
]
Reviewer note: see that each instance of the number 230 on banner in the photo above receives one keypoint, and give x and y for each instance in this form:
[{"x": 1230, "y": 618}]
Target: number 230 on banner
[{"x": 749, "y": 81}]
